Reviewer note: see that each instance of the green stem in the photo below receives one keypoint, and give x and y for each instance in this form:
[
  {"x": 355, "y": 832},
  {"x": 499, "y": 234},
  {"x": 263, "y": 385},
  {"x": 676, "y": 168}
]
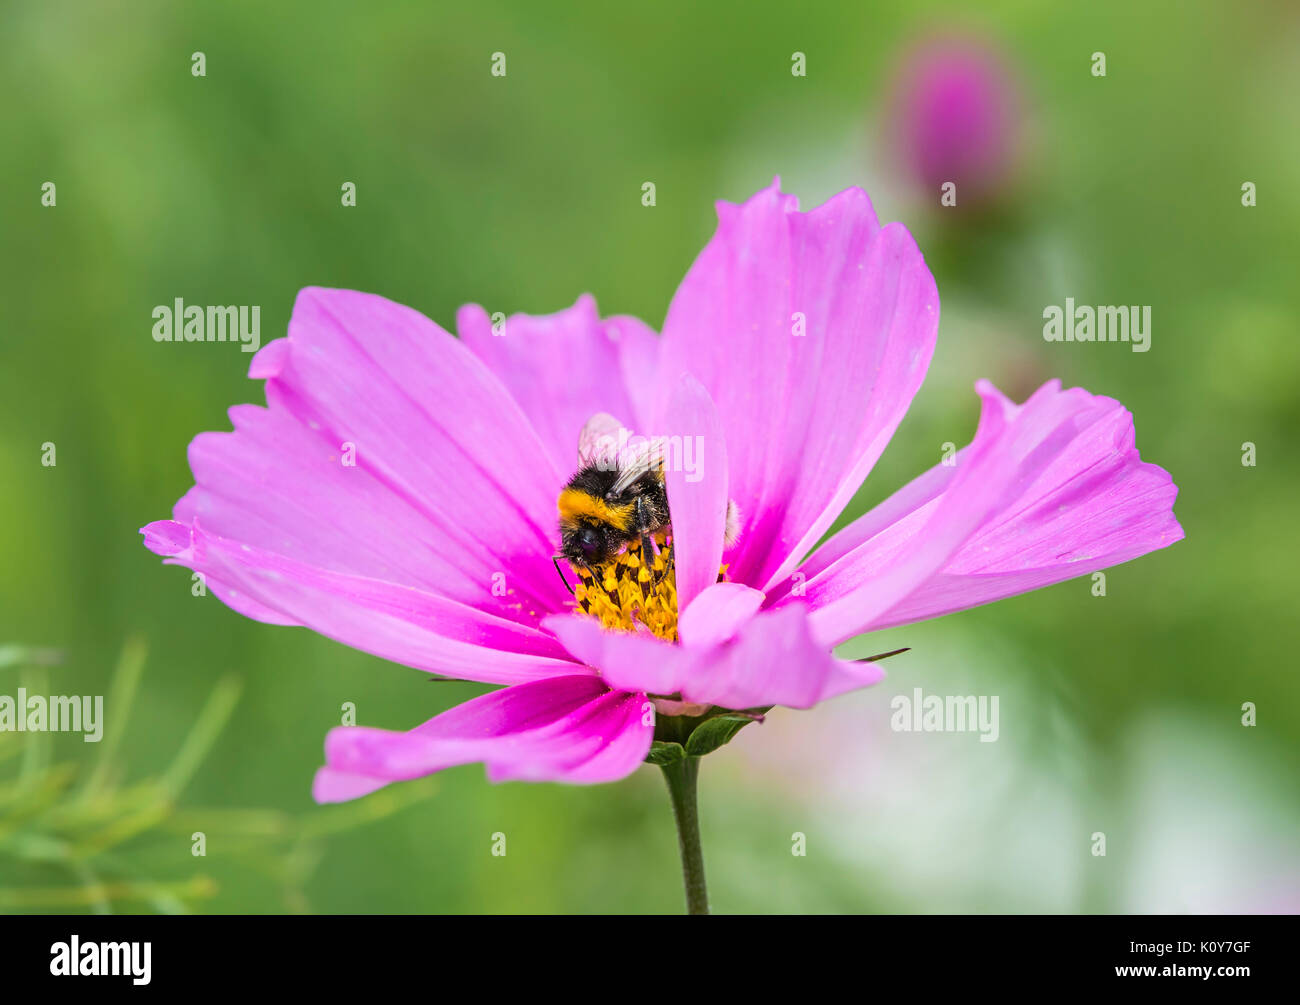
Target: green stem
[{"x": 681, "y": 777}]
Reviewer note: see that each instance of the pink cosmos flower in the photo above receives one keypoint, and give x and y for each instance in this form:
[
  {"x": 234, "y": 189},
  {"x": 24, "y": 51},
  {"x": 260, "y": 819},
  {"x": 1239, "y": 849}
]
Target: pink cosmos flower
[
  {"x": 398, "y": 494},
  {"x": 955, "y": 115}
]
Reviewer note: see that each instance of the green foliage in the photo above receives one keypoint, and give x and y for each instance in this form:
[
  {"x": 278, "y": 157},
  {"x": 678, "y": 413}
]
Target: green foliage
[{"x": 81, "y": 824}]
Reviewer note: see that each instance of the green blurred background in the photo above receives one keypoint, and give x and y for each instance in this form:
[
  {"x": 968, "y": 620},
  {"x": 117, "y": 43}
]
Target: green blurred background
[{"x": 1119, "y": 714}]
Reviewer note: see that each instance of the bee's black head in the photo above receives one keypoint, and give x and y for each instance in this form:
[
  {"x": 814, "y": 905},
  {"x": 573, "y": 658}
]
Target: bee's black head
[{"x": 586, "y": 544}]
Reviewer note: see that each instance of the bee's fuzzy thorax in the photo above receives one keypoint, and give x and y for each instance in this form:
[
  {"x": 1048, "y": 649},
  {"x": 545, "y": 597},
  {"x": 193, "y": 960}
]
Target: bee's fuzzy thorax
[{"x": 575, "y": 504}]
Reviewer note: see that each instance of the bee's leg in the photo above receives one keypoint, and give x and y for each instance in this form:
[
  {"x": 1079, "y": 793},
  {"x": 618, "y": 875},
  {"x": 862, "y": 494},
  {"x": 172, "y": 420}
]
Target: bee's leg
[
  {"x": 560, "y": 572},
  {"x": 647, "y": 546},
  {"x": 648, "y": 551}
]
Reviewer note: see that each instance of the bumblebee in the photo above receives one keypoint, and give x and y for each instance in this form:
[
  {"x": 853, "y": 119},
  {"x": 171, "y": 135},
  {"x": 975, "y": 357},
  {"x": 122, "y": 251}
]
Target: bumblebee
[
  {"x": 618, "y": 501},
  {"x": 606, "y": 507}
]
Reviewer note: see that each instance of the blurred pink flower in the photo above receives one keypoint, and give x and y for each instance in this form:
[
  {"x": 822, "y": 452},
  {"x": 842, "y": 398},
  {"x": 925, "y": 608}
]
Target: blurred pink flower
[
  {"x": 461, "y": 447},
  {"x": 954, "y": 116}
]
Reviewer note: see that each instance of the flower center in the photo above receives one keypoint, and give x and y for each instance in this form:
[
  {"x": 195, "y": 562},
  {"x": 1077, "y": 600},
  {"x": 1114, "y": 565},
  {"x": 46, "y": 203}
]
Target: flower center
[{"x": 631, "y": 589}]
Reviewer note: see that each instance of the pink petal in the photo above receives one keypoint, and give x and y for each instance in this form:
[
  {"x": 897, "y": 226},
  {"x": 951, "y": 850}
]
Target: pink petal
[
  {"x": 451, "y": 492},
  {"x": 717, "y": 614},
  {"x": 697, "y": 498},
  {"x": 330, "y": 786},
  {"x": 655, "y": 666},
  {"x": 561, "y": 368},
  {"x": 805, "y": 417},
  {"x": 639, "y": 365},
  {"x": 1047, "y": 491},
  {"x": 565, "y": 729},
  {"x": 167, "y": 538},
  {"x": 399, "y": 623},
  {"x": 771, "y": 660}
]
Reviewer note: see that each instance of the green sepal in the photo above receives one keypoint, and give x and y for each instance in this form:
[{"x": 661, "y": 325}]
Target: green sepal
[
  {"x": 665, "y": 752},
  {"x": 711, "y": 734}
]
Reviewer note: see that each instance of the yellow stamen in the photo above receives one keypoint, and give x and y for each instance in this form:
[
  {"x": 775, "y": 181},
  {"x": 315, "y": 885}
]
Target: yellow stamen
[
  {"x": 629, "y": 590},
  {"x": 624, "y": 592}
]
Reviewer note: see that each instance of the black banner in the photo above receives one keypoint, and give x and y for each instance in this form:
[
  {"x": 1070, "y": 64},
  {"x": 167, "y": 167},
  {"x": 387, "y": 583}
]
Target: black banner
[{"x": 929, "y": 953}]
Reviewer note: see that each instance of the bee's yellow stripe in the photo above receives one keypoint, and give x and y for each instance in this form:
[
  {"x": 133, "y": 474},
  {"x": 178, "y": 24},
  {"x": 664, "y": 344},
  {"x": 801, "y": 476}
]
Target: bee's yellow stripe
[{"x": 574, "y": 504}]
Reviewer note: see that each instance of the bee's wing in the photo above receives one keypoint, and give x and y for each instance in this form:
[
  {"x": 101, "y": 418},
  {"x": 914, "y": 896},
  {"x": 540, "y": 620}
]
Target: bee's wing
[
  {"x": 598, "y": 442},
  {"x": 731, "y": 533},
  {"x": 638, "y": 461}
]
